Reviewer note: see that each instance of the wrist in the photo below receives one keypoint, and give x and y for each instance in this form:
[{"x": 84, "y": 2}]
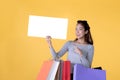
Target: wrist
[{"x": 50, "y": 45}]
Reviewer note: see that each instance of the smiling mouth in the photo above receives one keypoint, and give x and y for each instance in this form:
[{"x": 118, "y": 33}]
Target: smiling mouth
[{"x": 78, "y": 35}]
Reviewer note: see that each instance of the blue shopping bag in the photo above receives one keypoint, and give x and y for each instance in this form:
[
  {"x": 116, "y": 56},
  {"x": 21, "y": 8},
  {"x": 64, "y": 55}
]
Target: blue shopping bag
[{"x": 83, "y": 73}]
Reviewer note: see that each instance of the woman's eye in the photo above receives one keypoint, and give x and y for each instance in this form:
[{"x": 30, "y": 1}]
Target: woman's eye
[{"x": 79, "y": 29}]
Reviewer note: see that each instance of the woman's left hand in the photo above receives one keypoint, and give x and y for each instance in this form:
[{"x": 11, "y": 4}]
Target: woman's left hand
[{"x": 77, "y": 50}]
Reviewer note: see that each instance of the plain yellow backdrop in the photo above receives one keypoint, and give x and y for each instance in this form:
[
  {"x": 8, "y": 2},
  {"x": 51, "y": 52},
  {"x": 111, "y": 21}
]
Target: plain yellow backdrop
[{"x": 21, "y": 56}]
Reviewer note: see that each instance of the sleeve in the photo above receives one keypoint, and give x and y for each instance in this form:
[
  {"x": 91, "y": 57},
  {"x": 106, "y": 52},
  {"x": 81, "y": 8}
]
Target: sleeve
[
  {"x": 87, "y": 61},
  {"x": 61, "y": 52}
]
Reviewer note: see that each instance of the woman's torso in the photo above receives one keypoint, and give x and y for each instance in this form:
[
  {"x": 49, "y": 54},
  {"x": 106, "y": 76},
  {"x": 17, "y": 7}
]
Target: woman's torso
[{"x": 74, "y": 57}]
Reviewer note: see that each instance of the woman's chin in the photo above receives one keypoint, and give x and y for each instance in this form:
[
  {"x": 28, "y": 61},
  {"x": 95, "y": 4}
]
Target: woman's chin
[{"x": 79, "y": 37}]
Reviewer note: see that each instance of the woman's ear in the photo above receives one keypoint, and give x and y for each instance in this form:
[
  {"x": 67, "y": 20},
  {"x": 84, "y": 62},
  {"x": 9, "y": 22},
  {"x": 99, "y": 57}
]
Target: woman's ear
[{"x": 86, "y": 31}]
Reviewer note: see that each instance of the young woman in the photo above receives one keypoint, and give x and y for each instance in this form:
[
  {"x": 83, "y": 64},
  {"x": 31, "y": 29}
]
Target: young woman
[{"x": 80, "y": 50}]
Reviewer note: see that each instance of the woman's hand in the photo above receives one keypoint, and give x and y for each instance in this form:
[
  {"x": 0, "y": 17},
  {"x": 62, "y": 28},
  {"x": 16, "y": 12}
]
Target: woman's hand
[
  {"x": 48, "y": 39},
  {"x": 77, "y": 50}
]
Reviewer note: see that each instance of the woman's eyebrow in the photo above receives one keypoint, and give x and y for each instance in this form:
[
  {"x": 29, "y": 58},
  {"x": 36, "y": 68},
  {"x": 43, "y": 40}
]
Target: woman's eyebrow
[{"x": 79, "y": 27}]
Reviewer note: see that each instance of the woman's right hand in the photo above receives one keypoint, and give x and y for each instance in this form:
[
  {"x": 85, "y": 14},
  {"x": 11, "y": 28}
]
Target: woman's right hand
[{"x": 48, "y": 39}]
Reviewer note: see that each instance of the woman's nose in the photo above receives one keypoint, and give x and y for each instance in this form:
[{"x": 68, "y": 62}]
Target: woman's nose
[{"x": 77, "y": 31}]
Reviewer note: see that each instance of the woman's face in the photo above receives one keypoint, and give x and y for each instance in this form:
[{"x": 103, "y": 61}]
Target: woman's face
[{"x": 80, "y": 31}]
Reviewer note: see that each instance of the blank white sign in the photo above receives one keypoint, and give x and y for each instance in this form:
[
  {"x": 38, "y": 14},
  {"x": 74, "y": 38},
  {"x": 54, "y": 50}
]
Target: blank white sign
[{"x": 41, "y": 26}]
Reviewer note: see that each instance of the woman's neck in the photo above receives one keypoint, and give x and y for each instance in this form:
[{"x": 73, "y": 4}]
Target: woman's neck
[{"x": 81, "y": 41}]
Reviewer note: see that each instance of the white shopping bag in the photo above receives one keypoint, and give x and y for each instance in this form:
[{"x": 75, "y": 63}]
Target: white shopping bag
[{"x": 53, "y": 70}]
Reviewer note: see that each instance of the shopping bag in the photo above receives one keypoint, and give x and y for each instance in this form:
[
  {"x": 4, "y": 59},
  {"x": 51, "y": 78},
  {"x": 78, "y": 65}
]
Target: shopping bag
[
  {"x": 66, "y": 70},
  {"x": 48, "y": 70},
  {"x": 59, "y": 71},
  {"x": 83, "y": 73},
  {"x": 44, "y": 71},
  {"x": 53, "y": 70}
]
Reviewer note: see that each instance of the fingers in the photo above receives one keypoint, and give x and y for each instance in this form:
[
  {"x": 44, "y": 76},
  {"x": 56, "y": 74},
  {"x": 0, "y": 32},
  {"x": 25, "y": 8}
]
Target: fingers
[
  {"x": 48, "y": 37},
  {"x": 75, "y": 47}
]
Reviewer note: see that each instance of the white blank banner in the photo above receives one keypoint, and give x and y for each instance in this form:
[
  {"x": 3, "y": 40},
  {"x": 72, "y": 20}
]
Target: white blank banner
[{"x": 40, "y": 26}]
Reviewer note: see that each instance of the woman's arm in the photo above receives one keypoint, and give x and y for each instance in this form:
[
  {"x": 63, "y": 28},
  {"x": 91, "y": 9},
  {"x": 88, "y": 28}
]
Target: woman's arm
[
  {"x": 87, "y": 61},
  {"x": 61, "y": 52}
]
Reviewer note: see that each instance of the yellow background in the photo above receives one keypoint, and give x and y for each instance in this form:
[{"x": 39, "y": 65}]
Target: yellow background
[{"x": 21, "y": 56}]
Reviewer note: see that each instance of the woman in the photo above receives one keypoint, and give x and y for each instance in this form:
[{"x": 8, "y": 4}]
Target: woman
[{"x": 80, "y": 50}]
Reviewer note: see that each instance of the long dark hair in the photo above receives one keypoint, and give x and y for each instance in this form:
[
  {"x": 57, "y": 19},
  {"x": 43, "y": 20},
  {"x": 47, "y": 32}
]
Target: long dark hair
[{"x": 88, "y": 37}]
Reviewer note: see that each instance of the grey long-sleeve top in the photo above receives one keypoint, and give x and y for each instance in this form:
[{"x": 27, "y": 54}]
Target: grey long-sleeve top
[{"x": 85, "y": 59}]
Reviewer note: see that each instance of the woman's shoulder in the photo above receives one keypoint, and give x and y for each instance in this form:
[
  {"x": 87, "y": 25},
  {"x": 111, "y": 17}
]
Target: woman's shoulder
[
  {"x": 68, "y": 42},
  {"x": 72, "y": 41},
  {"x": 91, "y": 46}
]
